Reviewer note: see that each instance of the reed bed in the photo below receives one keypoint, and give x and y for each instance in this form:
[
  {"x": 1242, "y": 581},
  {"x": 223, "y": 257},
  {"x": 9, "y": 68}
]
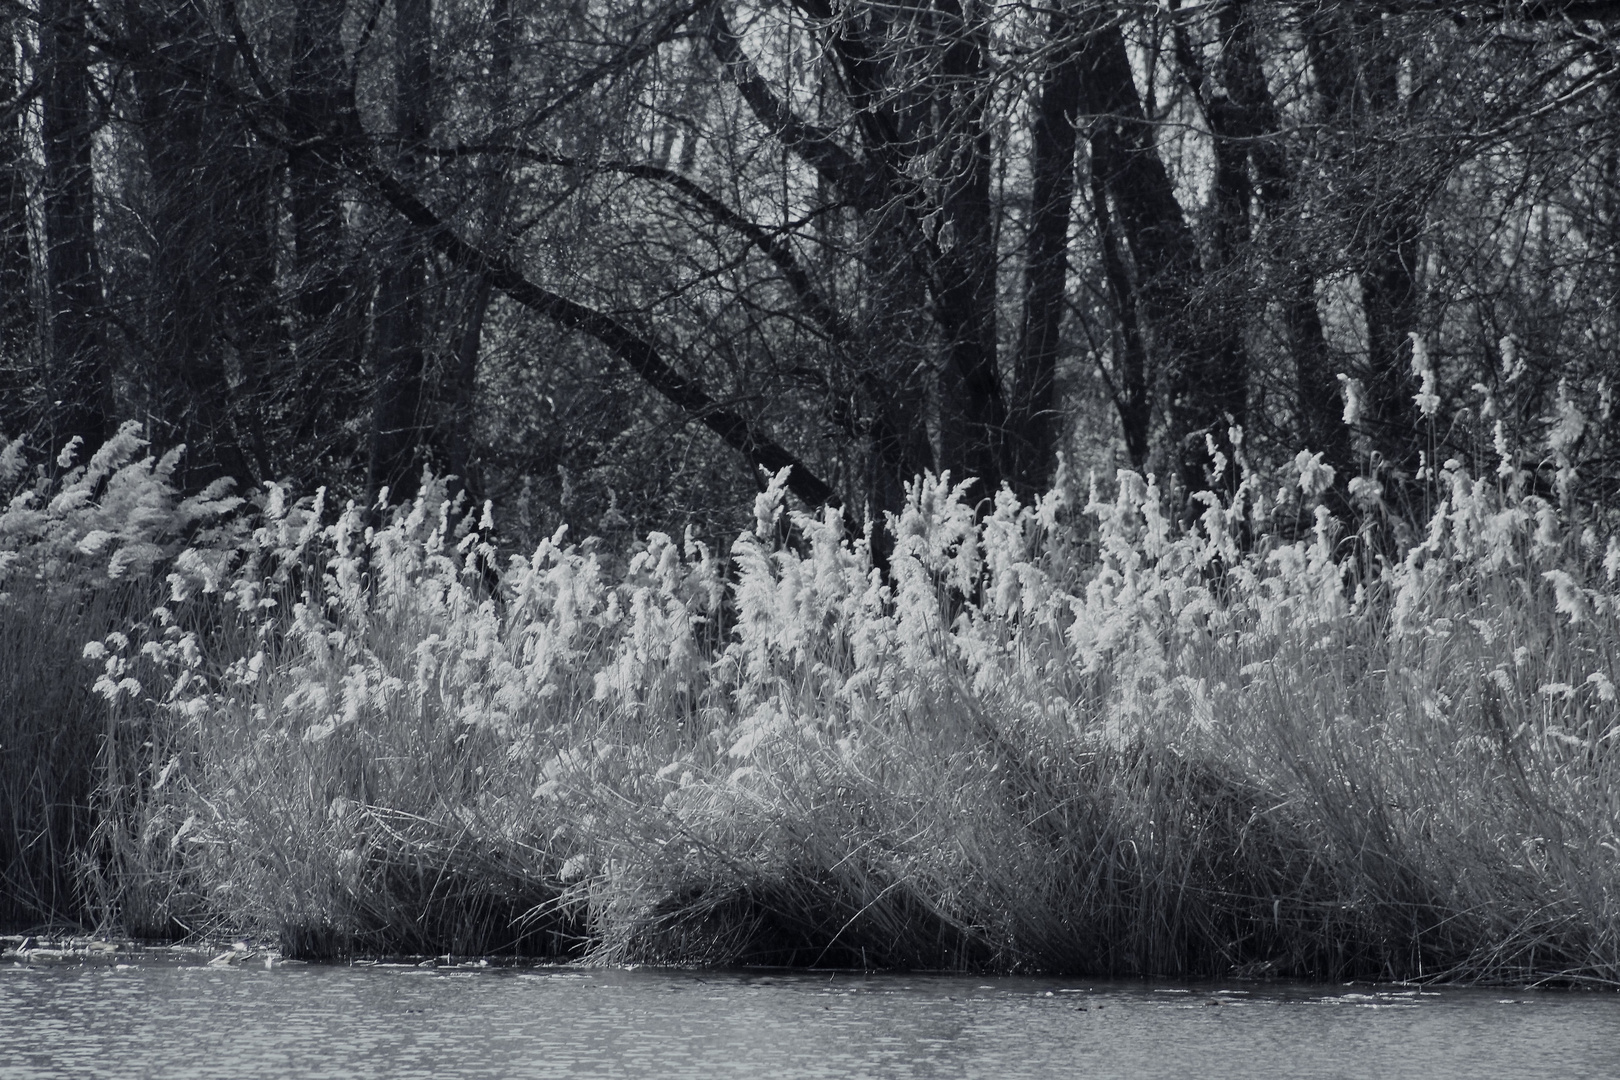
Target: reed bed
[{"x": 1071, "y": 736}]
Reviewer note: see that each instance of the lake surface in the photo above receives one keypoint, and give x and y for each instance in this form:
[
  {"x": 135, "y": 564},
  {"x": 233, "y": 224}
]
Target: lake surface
[{"x": 187, "y": 1019}]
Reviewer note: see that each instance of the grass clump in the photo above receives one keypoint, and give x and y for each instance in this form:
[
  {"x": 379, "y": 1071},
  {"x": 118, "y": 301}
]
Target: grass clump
[
  {"x": 78, "y": 551},
  {"x": 1073, "y": 736}
]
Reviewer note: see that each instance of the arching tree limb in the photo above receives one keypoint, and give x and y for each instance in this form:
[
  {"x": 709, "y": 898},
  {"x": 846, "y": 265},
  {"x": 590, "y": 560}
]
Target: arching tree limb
[
  {"x": 642, "y": 357},
  {"x": 827, "y": 318}
]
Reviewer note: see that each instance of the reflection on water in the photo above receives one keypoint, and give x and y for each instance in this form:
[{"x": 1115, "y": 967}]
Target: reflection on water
[{"x": 185, "y": 1020}]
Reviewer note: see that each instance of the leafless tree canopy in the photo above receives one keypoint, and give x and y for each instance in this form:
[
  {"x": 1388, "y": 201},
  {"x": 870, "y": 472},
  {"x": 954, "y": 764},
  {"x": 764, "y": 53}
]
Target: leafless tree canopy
[{"x": 615, "y": 256}]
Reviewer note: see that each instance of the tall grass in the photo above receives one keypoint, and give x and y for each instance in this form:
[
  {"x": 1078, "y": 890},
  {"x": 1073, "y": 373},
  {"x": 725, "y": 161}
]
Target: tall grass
[
  {"x": 1073, "y": 735},
  {"x": 50, "y": 728},
  {"x": 77, "y": 555}
]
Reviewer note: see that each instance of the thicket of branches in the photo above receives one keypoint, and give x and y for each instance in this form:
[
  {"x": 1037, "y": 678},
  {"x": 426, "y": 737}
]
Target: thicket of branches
[{"x": 603, "y": 260}]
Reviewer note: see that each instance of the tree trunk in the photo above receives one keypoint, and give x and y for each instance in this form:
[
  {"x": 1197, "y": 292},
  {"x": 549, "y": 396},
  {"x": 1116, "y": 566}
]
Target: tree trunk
[
  {"x": 196, "y": 223},
  {"x": 397, "y": 422},
  {"x": 1202, "y": 386},
  {"x": 1252, "y": 120},
  {"x": 79, "y": 375},
  {"x": 17, "y": 330},
  {"x": 1225, "y": 293},
  {"x": 1034, "y": 427},
  {"x": 1356, "y": 89},
  {"x": 497, "y": 194},
  {"x": 972, "y": 411},
  {"x": 896, "y": 368},
  {"x": 328, "y": 334},
  {"x": 1128, "y": 383}
]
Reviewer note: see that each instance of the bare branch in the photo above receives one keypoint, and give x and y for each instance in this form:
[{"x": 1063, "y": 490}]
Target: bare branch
[
  {"x": 815, "y": 145},
  {"x": 632, "y": 53},
  {"x": 642, "y": 357},
  {"x": 768, "y": 241}
]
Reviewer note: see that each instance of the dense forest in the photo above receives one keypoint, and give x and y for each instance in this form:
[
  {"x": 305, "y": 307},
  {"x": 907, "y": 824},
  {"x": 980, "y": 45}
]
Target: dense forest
[
  {"x": 1111, "y": 487},
  {"x": 562, "y": 249}
]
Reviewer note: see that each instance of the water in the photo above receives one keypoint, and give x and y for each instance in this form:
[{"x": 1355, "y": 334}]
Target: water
[{"x": 177, "y": 1020}]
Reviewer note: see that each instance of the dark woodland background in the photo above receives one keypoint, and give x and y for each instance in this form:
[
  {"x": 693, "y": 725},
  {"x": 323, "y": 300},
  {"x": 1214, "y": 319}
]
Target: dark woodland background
[{"x": 603, "y": 260}]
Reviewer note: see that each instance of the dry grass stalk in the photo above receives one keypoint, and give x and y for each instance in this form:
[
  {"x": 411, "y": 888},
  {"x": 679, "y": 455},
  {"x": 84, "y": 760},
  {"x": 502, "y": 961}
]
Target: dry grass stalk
[{"x": 1061, "y": 737}]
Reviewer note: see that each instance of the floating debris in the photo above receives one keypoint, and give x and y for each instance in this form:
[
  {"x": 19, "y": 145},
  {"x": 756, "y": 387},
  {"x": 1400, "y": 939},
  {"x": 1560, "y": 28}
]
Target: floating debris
[{"x": 36, "y": 950}]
